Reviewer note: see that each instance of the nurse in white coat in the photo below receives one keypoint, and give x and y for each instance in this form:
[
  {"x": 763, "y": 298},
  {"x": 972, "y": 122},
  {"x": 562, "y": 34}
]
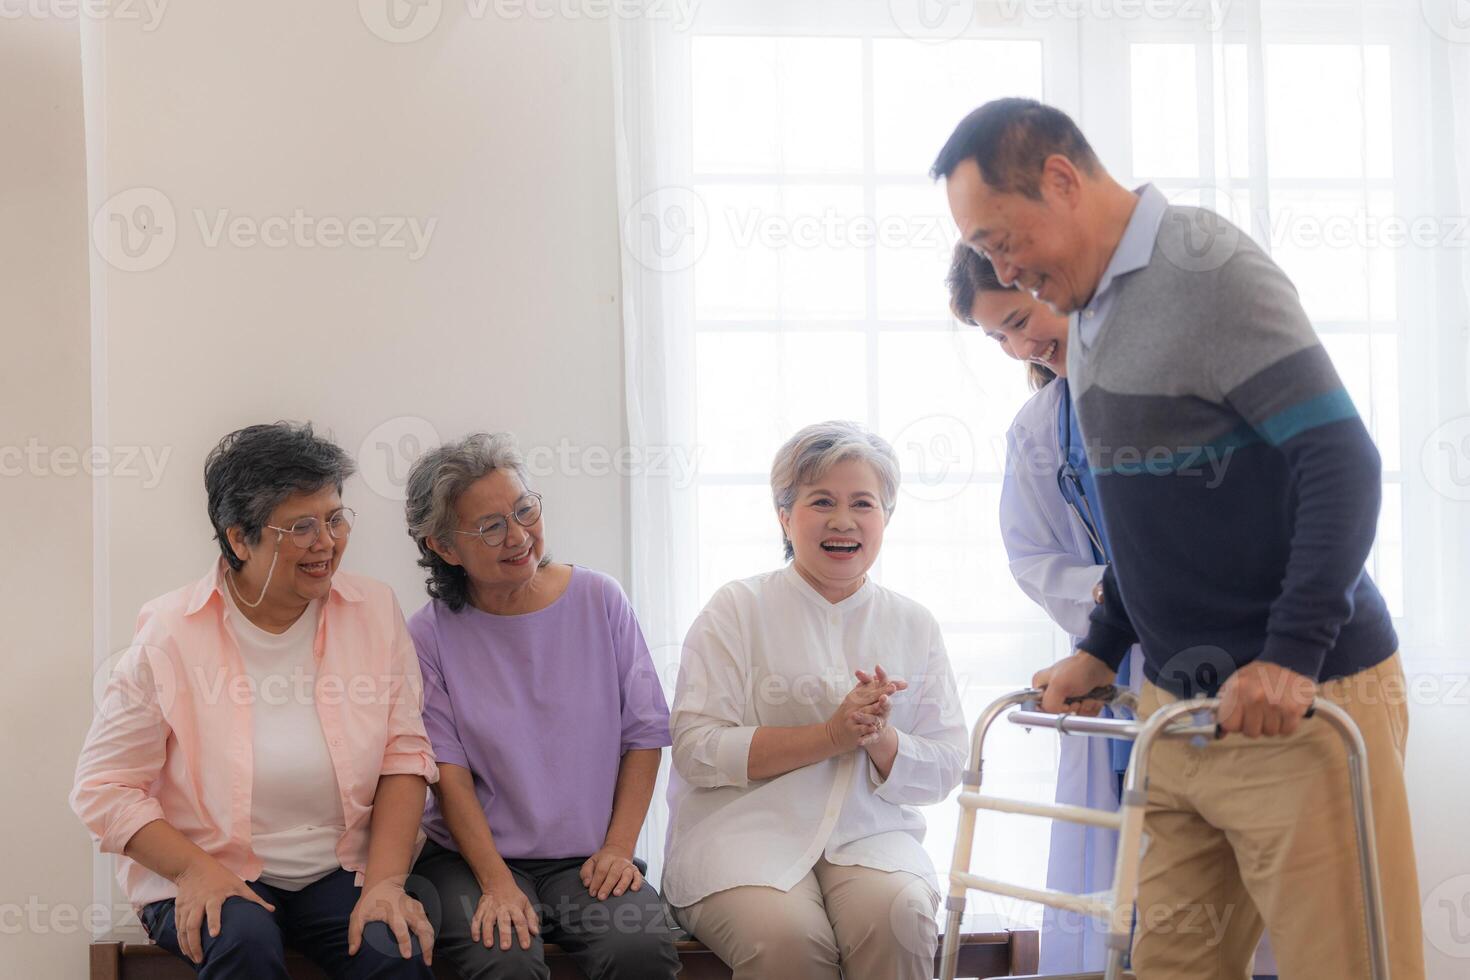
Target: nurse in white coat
[
  {"x": 1057, "y": 554},
  {"x": 1058, "y": 549}
]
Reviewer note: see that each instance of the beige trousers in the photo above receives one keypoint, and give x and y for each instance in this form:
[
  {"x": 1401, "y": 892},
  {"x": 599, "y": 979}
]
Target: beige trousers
[
  {"x": 1245, "y": 834},
  {"x": 838, "y": 921}
]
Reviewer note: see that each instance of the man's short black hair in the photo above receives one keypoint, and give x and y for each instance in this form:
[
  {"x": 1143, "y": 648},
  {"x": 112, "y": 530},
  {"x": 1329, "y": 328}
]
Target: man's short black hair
[{"x": 1010, "y": 140}]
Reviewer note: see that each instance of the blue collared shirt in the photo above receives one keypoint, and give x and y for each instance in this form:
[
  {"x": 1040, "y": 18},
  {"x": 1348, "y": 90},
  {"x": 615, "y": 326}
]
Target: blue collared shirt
[{"x": 1134, "y": 251}]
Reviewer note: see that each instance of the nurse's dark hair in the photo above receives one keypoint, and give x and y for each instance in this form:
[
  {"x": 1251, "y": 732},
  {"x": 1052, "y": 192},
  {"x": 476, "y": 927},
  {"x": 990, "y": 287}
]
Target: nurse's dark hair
[
  {"x": 252, "y": 470},
  {"x": 971, "y": 274},
  {"x": 1010, "y": 140}
]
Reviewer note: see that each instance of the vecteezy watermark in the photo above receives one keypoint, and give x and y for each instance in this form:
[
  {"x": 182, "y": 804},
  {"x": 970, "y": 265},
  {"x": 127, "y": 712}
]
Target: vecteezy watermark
[
  {"x": 37, "y": 459},
  {"x": 670, "y": 229},
  {"x": 137, "y": 230},
  {"x": 407, "y": 21},
  {"x": 1445, "y": 459},
  {"x": 1209, "y": 14},
  {"x": 932, "y": 21},
  {"x": 936, "y": 456},
  {"x": 1193, "y": 462},
  {"x": 1446, "y": 915},
  {"x": 833, "y": 228},
  {"x": 387, "y": 454},
  {"x": 667, "y": 230},
  {"x": 1450, "y": 19},
  {"x": 141, "y": 683},
  {"x": 302, "y": 230},
  {"x": 678, "y": 464},
  {"x": 148, "y": 13},
  {"x": 1288, "y": 226},
  {"x": 37, "y": 917},
  {"x": 1198, "y": 239}
]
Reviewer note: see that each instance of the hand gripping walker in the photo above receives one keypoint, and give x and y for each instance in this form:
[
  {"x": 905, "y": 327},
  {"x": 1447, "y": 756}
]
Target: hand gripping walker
[{"x": 1170, "y": 721}]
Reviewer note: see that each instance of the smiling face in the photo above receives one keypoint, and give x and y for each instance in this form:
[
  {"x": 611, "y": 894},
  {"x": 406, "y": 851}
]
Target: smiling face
[
  {"x": 491, "y": 501},
  {"x": 835, "y": 526},
  {"x": 1035, "y": 245},
  {"x": 1026, "y": 328},
  {"x": 301, "y": 573}
]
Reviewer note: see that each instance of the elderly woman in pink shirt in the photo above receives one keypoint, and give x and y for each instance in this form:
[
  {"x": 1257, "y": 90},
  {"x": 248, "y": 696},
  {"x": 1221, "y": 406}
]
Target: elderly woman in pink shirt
[{"x": 258, "y": 760}]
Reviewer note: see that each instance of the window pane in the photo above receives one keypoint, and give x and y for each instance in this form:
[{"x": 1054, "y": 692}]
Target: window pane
[
  {"x": 947, "y": 554},
  {"x": 1312, "y": 136},
  {"x": 1018, "y": 764},
  {"x": 916, "y": 238},
  {"x": 1324, "y": 240},
  {"x": 1165, "y": 113},
  {"x": 738, "y": 535},
  {"x": 1369, "y": 366},
  {"x": 1385, "y": 368},
  {"x": 945, "y": 401},
  {"x": 1387, "y": 561},
  {"x": 757, "y": 388},
  {"x": 777, "y": 104},
  {"x": 782, "y": 252},
  {"x": 920, "y": 91},
  {"x": 1232, "y": 111}
]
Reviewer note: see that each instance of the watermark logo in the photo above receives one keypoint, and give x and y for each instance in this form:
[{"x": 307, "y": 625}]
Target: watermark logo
[
  {"x": 1197, "y": 672},
  {"x": 388, "y": 452},
  {"x": 147, "y": 13},
  {"x": 932, "y": 21},
  {"x": 1195, "y": 239},
  {"x": 1210, "y": 14},
  {"x": 135, "y": 684},
  {"x": 1450, "y": 19},
  {"x": 667, "y": 230},
  {"x": 135, "y": 230},
  {"x": 1446, "y": 459},
  {"x": 36, "y": 459},
  {"x": 401, "y": 21},
  {"x": 936, "y": 456},
  {"x": 1447, "y": 917}
]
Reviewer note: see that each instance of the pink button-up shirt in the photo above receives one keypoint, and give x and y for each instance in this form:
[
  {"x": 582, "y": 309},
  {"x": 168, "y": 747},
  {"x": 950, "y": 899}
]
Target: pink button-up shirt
[{"x": 171, "y": 739}]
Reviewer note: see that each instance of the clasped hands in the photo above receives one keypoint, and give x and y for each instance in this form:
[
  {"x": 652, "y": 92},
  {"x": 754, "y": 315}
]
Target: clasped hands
[{"x": 862, "y": 717}]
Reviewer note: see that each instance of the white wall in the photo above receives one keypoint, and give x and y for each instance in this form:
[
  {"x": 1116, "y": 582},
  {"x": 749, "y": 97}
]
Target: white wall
[
  {"x": 497, "y": 131},
  {"x": 45, "y": 580}
]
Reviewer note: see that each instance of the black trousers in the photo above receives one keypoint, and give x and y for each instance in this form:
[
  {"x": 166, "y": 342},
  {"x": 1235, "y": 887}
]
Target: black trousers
[{"x": 626, "y": 936}]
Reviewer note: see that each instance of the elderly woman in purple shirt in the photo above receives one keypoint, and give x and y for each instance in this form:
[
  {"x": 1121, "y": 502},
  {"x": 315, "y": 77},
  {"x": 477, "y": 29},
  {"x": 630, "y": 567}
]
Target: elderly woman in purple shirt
[{"x": 547, "y": 720}]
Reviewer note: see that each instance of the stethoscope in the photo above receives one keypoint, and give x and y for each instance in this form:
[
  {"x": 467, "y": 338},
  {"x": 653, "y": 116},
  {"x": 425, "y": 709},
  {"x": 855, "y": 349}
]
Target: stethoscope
[{"x": 1069, "y": 481}]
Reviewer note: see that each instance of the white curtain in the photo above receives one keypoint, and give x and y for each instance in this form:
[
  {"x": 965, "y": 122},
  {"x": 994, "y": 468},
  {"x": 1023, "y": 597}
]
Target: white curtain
[{"x": 784, "y": 254}]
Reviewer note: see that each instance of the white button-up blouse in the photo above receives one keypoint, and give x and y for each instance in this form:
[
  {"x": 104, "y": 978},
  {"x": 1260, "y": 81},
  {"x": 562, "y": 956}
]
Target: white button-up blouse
[{"x": 770, "y": 650}]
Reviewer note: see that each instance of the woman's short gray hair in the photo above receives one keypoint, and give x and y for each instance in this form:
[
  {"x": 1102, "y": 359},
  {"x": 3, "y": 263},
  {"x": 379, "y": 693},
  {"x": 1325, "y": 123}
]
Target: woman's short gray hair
[
  {"x": 813, "y": 451},
  {"x": 253, "y": 470},
  {"x": 438, "y": 478}
]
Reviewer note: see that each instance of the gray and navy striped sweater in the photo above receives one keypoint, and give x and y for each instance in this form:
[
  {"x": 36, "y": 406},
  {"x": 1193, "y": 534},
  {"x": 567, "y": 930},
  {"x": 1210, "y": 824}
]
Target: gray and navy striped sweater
[{"x": 1238, "y": 486}]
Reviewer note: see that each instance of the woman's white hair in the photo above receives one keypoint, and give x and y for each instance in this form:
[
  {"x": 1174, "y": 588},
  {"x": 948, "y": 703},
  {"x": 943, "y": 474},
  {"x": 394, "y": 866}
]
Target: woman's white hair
[{"x": 812, "y": 452}]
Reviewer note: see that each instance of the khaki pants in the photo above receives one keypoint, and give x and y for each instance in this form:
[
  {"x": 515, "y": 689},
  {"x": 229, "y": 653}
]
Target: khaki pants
[
  {"x": 838, "y": 921},
  {"x": 1245, "y": 833}
]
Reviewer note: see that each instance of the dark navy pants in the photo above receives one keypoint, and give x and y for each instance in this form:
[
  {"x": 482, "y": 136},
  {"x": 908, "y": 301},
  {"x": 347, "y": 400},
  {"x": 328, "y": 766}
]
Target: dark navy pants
[{"x": 251, "y": 944}]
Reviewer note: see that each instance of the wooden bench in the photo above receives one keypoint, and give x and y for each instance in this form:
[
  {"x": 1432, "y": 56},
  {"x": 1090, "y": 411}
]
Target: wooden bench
[{"x": 128, "y": 955}]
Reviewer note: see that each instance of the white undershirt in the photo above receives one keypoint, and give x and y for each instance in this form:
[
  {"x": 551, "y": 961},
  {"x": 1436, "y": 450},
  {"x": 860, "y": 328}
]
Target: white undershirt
[{"x": 296, "y": 810}]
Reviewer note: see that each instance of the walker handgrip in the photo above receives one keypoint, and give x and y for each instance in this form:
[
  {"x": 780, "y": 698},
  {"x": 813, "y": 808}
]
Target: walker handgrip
[
  {"x": 1311, "y": 710},
  {"x": 1105, "y": 693}
]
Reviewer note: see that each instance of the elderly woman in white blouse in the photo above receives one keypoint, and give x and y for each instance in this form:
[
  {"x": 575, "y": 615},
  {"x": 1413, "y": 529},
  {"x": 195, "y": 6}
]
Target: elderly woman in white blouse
[{"x": 815, "y": 710}]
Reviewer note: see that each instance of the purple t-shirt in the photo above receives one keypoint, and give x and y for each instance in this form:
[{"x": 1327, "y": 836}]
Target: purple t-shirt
[{"x": 540, "y": 708}]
